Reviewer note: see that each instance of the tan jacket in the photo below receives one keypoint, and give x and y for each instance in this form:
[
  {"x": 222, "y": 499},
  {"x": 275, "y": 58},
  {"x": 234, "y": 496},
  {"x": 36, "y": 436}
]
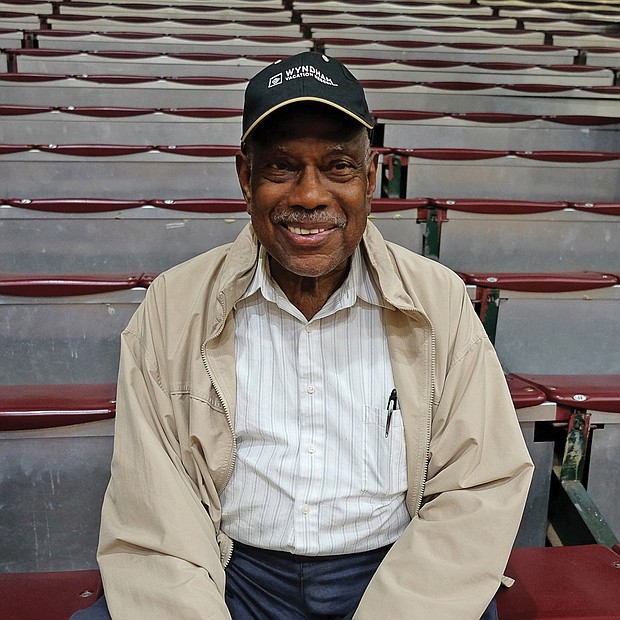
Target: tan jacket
[{"x": 161, "y": 553}]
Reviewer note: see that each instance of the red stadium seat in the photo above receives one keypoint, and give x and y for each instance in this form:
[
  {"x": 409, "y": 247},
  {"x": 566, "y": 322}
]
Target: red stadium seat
[
  {"x": 568, "y": 583},
  {"x": 49, "y": 596}
]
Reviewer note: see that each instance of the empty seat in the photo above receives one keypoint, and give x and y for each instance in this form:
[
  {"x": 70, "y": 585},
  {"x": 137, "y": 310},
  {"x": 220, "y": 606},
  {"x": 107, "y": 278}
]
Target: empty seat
[
  {"x": 112, "y": 236},
  {"x": 425, "y": 129},
  {"x": 54, "y": 477},
  {"x": 121, "y": 62},
  {"x": 53, "y": 596},
  {"x": 513, "y": 175},
  {"x": 580, "y": 39},
  {"x": 10, "y": 38},
  {"x": 455, "y": 52},
  {"x": 62, "y": 329},
  {"x": 119, "y": 171},
  {"x": 532, "y": 406},
  {"x": 580, "y": 582},
  {"x": 496, "y": 73},
  {"x": 116, "y": 125},
  {"x": 530, "y": 236},
  {"x": 590, "y": 404},
  {"x": 602, "y": 57},
  {"x": 104, "y": 90},
  {"x": 93, "y": 23},
  {"x": 554, "y": 323},
  {"x": 514, "y": 99},
  {"x": 503, "y": 36},
  {"x": 163, "y": 43},
  {"x": 317, "y": 18},
  {"x": 187, "y": 11}
]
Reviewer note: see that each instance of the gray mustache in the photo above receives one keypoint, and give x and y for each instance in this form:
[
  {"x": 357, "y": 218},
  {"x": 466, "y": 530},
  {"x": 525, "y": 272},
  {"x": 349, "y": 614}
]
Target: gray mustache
[{"x": 317, "y": 216}]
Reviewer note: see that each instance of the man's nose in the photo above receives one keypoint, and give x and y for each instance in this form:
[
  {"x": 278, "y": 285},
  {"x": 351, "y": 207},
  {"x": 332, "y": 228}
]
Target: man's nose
[{"x": 309, "y": 190}]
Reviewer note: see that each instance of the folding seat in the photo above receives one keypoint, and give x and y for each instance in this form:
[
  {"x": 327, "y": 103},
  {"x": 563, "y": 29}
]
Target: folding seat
[
  {"x": 585, "y": 486},
  {"x": 10, "y": 38},
  {"x": 180, "y": 12},
  {"x": 55, "y": 451},
  {"x": 547, "y": 12},
  {"x": 587, "y": 39},
  {"x": 64, "y": 329},
  {"x": 473, "y": 130},
  {"x": 558, "y": 333},
  {"x": 431, "y": 35},
  {"x": 602, "y": 57},
  {"x": 162, "y": 43},
  {"x": 576, "y": 582},
  {"x": 81, "y": 235},
  {"x": 454, "y": 52},
  {"x": 511, "y": 175},
  {"x": 167, "y": 26},
  {"x": 486, "y": 73},
  {"x": 460, "y": 7},
  {"x": 49, "y": 595},
  {"x": 413, "y": 19},
  {"x": 13, "y": 20},
  {"x": 132, "y": 63},
  {"x": 132, "y": 91},
  {"x": 532, "y": 407},
  {"x": 543, "y": 99},
  {"x": 119, "y": 171},
  {"x": 114, "y": 125}
]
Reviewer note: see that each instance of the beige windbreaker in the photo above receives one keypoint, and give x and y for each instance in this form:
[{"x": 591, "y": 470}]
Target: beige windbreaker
[{"x": 161, "y": 552}]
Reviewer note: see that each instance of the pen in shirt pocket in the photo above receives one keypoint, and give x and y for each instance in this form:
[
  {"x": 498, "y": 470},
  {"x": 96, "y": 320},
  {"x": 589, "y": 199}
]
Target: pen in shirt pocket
[{"x": 391, "y": 405}]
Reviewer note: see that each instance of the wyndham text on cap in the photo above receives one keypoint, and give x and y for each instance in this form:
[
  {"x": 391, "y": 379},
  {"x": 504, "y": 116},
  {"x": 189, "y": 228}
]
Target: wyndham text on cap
[{"x": 308, "y": 76}]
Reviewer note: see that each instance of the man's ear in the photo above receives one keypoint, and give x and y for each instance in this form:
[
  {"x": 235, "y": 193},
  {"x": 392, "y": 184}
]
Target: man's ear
[
  {"x": 373, "y": 165},
  {"x": 244, "y": 175}
]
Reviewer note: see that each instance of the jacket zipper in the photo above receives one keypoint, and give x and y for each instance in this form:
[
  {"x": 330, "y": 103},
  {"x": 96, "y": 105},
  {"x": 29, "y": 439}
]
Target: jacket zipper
[
  {"x": 203, "y": 354},
  {"x": 429, "y": 415}
]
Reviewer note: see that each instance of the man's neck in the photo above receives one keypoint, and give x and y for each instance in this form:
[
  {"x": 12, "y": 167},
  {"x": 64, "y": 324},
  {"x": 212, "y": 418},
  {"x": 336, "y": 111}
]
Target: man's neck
[{"x": 308, "y": 294}]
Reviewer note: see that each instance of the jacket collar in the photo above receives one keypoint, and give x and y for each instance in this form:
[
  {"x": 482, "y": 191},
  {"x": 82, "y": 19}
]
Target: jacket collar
[{"x": 240, "y": 265}]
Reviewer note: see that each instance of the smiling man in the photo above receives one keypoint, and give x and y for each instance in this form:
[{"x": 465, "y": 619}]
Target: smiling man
[{"x": 311, "y": 421}]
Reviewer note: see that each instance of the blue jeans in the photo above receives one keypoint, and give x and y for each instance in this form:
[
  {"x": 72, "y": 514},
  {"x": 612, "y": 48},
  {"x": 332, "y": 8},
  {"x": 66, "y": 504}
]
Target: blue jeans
[{"x": 272, "y": 585}]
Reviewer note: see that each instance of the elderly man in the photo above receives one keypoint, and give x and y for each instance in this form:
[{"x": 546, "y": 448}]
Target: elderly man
[{"x": 311, "y": 421}]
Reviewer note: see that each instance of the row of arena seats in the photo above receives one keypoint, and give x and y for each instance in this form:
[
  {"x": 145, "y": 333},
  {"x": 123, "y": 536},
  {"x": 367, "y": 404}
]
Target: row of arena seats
[
  {"x": 537, "y": 326},
  {"x": 500, "y": 157},
  {"x": 77, "y": 235},
  {"x": 427, "y": 45},
  {"x": 25, "y": 124},
  {"x": 208, "y": 168},
  {"x": 543, "y": 577},
  {"x": 227, "y": 92},
  {"x": 73, "y": 62}
]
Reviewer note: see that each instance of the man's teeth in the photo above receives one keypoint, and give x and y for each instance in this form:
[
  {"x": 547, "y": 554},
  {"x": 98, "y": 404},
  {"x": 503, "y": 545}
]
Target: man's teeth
[{"x": 306, "y": 231}]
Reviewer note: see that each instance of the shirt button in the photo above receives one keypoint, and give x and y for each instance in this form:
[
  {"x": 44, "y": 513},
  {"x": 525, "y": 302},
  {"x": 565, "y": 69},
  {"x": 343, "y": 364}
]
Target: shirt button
[
  {"x": 310, "y": 389},
  {"x": 312, "y": 449},
  {"x": 309, "y": 327},
  {"x": 305, "y": 509}
]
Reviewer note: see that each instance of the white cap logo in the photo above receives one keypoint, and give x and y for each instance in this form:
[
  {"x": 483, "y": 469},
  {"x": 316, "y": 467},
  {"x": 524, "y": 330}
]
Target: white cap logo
[{"x": 275, "y": 80}]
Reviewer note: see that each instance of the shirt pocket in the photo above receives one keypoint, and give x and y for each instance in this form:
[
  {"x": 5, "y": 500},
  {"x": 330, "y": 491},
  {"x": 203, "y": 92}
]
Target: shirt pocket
[{"x": 385, "y": 458}]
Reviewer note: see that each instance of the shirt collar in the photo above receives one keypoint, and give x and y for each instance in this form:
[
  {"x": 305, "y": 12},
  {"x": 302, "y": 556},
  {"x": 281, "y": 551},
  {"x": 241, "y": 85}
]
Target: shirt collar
[{"x": 358, "y": 284}]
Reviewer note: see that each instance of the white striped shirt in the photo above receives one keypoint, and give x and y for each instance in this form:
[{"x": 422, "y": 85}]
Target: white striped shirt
[{"x": 315, "y": 473}]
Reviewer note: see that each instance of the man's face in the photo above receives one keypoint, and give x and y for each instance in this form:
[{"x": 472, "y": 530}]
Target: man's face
[{"x": 308, "y": 183}]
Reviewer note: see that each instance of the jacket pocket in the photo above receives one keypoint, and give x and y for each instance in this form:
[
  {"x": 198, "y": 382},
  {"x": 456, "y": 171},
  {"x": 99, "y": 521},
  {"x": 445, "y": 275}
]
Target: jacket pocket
[{"x": 385, "y": 458}]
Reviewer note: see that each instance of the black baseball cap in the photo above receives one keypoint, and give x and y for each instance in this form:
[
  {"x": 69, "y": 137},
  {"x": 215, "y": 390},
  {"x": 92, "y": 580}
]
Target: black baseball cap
[{"x": 308, "y": 76}]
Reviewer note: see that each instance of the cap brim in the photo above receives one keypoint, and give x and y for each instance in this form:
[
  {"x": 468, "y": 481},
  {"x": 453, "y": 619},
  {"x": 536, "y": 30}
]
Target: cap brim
[{"x": 262, "y": 117}]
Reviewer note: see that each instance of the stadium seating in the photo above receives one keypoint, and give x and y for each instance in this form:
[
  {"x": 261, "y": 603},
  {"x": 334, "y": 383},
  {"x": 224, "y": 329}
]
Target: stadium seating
[
  {"x": 576, "y": 582},
  {"x": 498, "y": 124},
  {"x": 53, "y": 595}
]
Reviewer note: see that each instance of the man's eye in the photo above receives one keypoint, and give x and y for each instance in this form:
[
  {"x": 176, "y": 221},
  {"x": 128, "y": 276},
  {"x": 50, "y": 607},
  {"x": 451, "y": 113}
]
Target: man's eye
[
  {"x": 277, "y": 166},
  {"x": 341, "y": 167}
]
